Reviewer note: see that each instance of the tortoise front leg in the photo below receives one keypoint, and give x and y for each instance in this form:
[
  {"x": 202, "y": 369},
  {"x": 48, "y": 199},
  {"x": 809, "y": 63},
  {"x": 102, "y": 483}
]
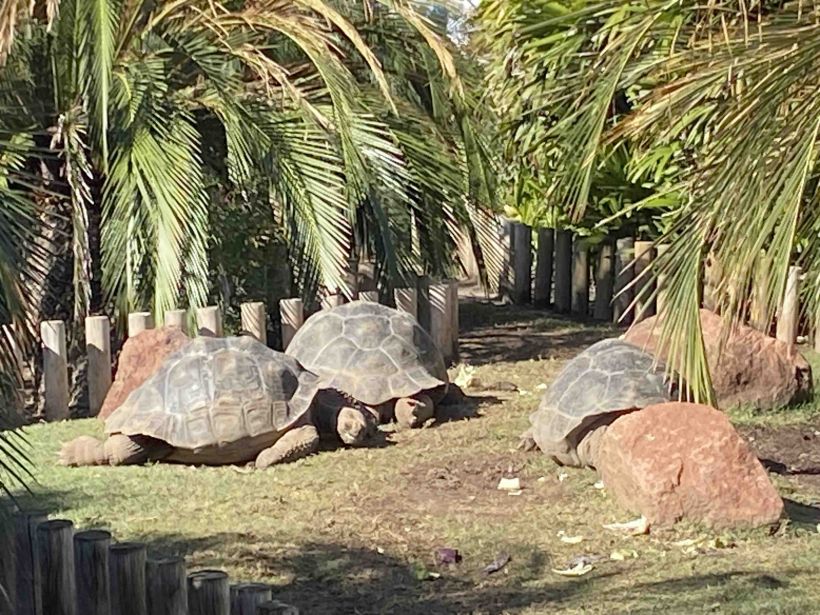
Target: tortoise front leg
[
  {"x": 414, "y": 411},
  {"x": 297, "y": 443},
  {"x": 116, "y": 450}
]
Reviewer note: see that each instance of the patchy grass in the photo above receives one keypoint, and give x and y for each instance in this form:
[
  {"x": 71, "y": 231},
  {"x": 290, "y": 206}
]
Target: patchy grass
[{"x": 353, "y": 531}]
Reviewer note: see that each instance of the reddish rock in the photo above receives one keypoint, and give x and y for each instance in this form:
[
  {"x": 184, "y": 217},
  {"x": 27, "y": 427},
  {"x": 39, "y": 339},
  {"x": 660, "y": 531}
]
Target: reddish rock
[
  {"x": 751, "y": 368},
  {"x": 141, "y": 356},
  {"x": 681, "y": 461}
]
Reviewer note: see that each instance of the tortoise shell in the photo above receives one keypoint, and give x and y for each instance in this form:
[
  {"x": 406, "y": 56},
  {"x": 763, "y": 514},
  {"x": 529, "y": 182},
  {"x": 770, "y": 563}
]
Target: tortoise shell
[
  {"x": 370, "y": 352},
  {"x": 611, "y": 376},
  {"x": 215, "y": 391}
]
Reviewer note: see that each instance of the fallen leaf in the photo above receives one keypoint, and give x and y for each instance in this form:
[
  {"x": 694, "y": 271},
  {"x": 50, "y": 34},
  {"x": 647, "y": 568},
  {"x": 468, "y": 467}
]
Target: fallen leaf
[
  {"x": 578, "y": 570},
  {"x": 622, "y": 555},
  {"x": 599, "y": 484},
  {"x": 562, "y": 476},
  {"x": 572, "y": 540},
  {"x": 635, "y": 527},
  {"x": 501, "y": 560},
  {"x": 509, "y": 484},
  {"x": 541, "y": 386}
]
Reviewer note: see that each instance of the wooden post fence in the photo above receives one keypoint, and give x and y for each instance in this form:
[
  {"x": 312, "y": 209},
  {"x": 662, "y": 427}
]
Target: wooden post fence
[
  {"x": 369, "y": 295},
  {"x": 209, "y": 593},
  {"x": 55, "y": 370},
  {"x": 167, "y": 586},
  {"x": 178, "y": 319},
  {"x": 624, "y": 274},
  {"x": 522, "y": 263},
  {"x": 246, "y": 597},
  {"x": 563, "y": 271},
  {"x": 292, "y": 313},
  {"x": 543, "y": 267},
  {"x": 440, "y": 319},
  {"x": 91, "y": 567},
  {"x": 790, "y": 308},
  {"x": 255, "y": 320},
  {"x": 580, "y": 278},
  {"x": 209, "y": 321},
  {"x": 644, "y": 304},
  {"x": 98, "y": 348},
  {"x": 407, "y": 300},
  {"x": 604, "y": 281},
  {"x": 139, "y": 322}
]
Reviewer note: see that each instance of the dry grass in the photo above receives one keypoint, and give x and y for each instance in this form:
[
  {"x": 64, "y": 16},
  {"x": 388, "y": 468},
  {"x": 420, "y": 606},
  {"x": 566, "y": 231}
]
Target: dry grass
[{"x": 353, "y": 531}]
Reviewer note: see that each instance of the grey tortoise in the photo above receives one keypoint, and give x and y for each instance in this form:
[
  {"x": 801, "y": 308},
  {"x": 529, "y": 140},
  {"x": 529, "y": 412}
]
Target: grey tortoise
[
  {"x": 378, "y": 356},
  {"x": 607, "y": 379},
  {"x": 221, "y": 401}
]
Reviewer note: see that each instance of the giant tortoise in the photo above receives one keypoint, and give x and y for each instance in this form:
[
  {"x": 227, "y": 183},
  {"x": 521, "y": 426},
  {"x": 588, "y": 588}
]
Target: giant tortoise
[
  {"x": 607, "y": 379},
  {"x": 378, "y": 356},
  {"x": 220, "y": 401}
]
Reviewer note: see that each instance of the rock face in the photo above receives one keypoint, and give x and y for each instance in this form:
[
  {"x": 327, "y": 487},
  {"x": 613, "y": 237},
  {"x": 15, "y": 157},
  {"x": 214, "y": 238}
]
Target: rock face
[
  {"x": 141, "y": 356},
  {"x": 750, "y": 369},
  {"x": 679, "y": 461}
]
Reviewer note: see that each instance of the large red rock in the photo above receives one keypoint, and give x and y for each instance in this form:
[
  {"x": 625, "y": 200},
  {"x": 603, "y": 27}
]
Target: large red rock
[
  {"x": 680, "y": 461},
  {"x": 750, "y": 368},
  {"x": 140, "y": 358}
]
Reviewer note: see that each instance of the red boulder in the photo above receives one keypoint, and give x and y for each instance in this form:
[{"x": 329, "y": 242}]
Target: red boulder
[
  {"x": 140, "y": 358},
  {"x": 750, "y": 368},
  {"x": 680, "y": 461}
]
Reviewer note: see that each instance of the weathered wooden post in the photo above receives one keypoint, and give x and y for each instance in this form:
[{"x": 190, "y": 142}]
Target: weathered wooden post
[
  {"x": 246, "y": 597},
  {"x": 209, "y": 321},
  {"x": 8, "y": 570},
  {"x": 604, "y": 281},
  {"x": 255, "y": 320},
  {"x": 178, "y": 319},
  {"x": 790, "y": 308},
  {"x": 580, "y": 278},
  {"x": 440, "y": 325},
  {"x": 139, "y": 322},
  {"x": 563, "y": 271},
  {"x": 29, "y": 595},
  {"x": 55, "y": 548},
  {"x": 98, "y": 349},
  {"x": 332, "y": 301},
  {"x": 369, "y": 295},
  {"x": 423, "y": 305},
  {"x": 209, "y": 593},
  {"x": 126, "y": 566},
  {"x": 407, "y": 300},
  {"x": 275, "y": 607},
  {"x": 167, "y": 583},
  {"x": 292, "y": 312},
  {"x": 759, "y": 311},
  {"x": 452, "y": 300},
  {"x": 522, "y": 263},
  {"x": 660, "y": 300},
  {"x": 644, "y": 304},
  {"x": 543, "y": 267},
  {"x": 55, "y": 370},
  {"x": 624, "y": 274},
  {"x": 91, "y": 572}
]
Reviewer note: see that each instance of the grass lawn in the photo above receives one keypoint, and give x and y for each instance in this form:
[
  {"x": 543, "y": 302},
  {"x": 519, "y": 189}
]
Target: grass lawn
[{"x": 353, "y": 531}]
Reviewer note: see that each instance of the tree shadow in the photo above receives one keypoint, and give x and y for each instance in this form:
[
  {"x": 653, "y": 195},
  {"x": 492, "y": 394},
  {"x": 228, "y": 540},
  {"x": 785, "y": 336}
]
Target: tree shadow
[{"x": 802, "y": 514}]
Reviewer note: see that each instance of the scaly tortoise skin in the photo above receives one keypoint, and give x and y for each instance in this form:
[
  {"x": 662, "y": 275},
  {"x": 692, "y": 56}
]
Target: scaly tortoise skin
[
  {"x": 608, "y": 378},
  {"x": 214, "y": 401},
  {"x": 377, "y": 355}
]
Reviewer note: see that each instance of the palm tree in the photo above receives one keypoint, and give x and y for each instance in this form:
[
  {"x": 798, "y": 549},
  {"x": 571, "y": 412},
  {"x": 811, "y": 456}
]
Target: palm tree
[{"x": 725, "y": 95}]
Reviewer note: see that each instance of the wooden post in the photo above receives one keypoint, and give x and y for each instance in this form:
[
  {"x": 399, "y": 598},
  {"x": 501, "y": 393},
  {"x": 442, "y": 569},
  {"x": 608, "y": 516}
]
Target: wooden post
[
  {"x": 178, "y": 319},
  {"x": 126, "y": 568},
  {"x": 275, "y": 607},
  {"x": 29, "y": 595},
  {"x": 790, "y": 309},
  {"x": 563, "y": 271},
  {"x": 91, "y": 572},
  {"x": 332, "y": 301},
  {"x": 440, "y": 319},
  {"x": 246, "y": 597},
  {"x": 209, "y": 321},
  {"x": 292, "y": 312},
  {"x": 209, "y": 593},
  {"x": 604, "y": 280},
  {"x": 369, "y": 295},
  {"x": 817, "y": 332},
  {"x": 98, "y": 349},
  {"x": 580, "y": 278},
  {"x": 543, "y": 267},
  {"x": 423, "y": 305},
  {"x": 759, "y": 316},
  {"x": 139, "y": 322},
  {"x": 624, "y": 274},
  {"x": 452, "y": 298},
  {"x": 167, "y": 586},
  {"x": 407, "y": 300},
  {"x": 255, "y": 320},
  {"x": 661, "y": 278},
  {"x": 8, "y": 569},
  {"x": 645, "y": 306},
  {"x": 522, "y": 263},
  {"x": 55, "y": 370},
  {"x": 55, "y": 547}
]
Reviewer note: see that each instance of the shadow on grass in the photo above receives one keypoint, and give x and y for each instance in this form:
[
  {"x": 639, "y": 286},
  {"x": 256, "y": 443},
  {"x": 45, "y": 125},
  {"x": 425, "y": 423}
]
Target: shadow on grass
[{"x": 802, "y": 514}]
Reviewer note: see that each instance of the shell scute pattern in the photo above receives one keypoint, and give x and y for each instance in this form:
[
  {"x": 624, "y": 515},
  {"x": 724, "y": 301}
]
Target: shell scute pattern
[
  {"x": 370, "y": 352},
  {"x": 609, "y": 376},
  {"x": 215, "y": 391}
]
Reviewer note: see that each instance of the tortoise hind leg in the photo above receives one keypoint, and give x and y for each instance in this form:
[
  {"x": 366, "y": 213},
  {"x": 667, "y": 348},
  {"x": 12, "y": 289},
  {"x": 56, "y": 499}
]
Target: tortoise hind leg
[
  {"x": 297, "y": 443},
  {"x": 116, "y": 450}
]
